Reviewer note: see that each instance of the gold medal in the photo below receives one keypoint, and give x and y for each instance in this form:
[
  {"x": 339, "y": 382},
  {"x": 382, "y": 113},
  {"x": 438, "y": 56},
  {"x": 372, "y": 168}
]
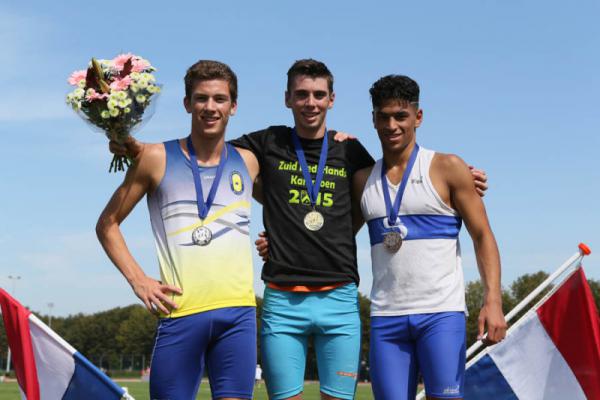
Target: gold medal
[{"x": 313, "y": 221}]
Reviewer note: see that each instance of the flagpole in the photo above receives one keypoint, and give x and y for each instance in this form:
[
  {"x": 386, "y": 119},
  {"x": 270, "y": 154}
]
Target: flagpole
[
  {"x": 584, "y": 250},
  {"x": 14, "y": 280}
]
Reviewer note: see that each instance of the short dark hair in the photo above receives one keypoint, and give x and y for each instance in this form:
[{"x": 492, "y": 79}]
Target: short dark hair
[
  {"x": 394, "y": 87},
  {"x": 206, "y": 70},
  {"x": 312, "y": 68}
]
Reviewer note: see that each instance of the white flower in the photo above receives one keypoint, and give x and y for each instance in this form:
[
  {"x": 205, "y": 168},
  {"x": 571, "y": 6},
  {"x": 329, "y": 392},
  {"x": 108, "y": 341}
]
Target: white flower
[
  {"x": 114, "y": 112},
  {"x": 78, "y": 93},
  {"x": 105, "y": 114},
  {"x": 140, "y": 98},
  {"x": 127, "y": 110},
  {"x": 148, "y": 77},
  {"x": 143, "y": 83},
  {"x": 81, "y": 83},
  {"x": 134, "y": 87},
  {"x": 111, "y": 104}
]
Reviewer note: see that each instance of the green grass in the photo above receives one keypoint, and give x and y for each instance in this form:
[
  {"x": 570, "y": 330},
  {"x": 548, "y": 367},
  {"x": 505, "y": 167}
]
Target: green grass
[{"x": 139, "y": 390}]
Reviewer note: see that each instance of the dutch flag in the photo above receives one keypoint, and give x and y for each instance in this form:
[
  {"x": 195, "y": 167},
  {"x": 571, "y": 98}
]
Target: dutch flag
[
  {"x": 47, "y": 367},
  {"x": 552, "y": 353}
]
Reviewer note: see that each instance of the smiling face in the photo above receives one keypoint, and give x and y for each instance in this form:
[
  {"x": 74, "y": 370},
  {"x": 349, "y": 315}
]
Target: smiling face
[
  {"x": 309, "y": 99},
  {"x": 396, "y": 122},
  {"x": 211, "y": 106}
]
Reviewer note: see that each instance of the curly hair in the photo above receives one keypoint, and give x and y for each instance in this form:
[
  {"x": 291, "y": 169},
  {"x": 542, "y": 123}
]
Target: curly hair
[
  {"x": 394, "y": 87},
  {"x": 206, "y": 70}
]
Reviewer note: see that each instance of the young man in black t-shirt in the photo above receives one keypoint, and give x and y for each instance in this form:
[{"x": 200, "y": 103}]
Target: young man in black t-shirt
[{"x": 311, "y": 273}]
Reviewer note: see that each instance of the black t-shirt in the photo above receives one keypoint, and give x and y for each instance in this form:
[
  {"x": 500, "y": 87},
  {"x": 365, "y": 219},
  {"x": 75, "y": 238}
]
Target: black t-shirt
[{"x": 298, "y": 256}]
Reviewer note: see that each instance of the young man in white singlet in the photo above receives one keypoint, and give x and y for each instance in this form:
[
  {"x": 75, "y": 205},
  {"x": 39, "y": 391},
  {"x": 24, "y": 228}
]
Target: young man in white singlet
[{"x": 414, "y": 201}]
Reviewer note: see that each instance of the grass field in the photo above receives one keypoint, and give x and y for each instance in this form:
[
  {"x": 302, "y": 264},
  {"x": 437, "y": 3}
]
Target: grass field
[{"x": 139, "y": 390}]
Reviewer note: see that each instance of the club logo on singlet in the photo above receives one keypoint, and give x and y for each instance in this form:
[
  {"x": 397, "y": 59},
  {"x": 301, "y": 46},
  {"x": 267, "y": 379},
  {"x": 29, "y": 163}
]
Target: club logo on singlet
[{"x": 236, "y": 182}]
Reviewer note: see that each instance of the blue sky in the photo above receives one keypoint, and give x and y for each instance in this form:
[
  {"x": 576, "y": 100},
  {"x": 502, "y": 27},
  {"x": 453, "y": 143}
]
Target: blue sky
[{"x": 512, "y": 87}]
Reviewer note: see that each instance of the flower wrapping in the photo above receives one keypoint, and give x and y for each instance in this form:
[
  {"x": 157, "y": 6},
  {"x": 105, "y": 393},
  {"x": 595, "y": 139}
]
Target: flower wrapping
[{"x": 115, "y": 96}]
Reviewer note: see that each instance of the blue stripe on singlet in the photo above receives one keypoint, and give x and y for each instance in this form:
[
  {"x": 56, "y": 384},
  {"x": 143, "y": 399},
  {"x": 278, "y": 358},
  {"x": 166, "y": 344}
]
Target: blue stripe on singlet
[{"x": 419, "y": 227}]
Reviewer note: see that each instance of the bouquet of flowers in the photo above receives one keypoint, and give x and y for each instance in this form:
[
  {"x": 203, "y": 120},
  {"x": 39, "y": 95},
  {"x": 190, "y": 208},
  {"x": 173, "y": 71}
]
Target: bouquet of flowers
[{"x": 115, "y": 96}]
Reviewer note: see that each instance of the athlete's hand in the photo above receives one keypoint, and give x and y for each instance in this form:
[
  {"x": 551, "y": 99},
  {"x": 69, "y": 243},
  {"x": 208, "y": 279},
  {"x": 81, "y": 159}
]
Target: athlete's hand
[
  {"x": 131, "y": 147},
  {"x": 492, "y": 318},
  {"x": 262, "y": 246},
  {"x": 343, "y": 136},
  {"x": 480, "y": 178},
  {"x": 155, "y": 295}
]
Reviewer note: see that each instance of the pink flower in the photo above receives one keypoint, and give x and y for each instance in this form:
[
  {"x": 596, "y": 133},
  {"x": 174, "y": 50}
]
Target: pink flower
[
  {"x": 76, "y": 77},
  {"x": 120, "y": 60},
  {"x": 121, "y": 84},
  {"x": 139, "y": 64},
  {"x": 93, "y": 95}
]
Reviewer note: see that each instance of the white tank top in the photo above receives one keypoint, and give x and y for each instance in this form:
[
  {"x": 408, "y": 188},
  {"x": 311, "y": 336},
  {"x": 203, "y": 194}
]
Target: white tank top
[{"x": 425, "y": 275}]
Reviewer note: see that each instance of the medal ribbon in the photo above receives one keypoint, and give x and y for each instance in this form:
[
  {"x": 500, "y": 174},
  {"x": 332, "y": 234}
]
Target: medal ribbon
[
  {"x": 313, "y": 189},
  {"x": 392, "y": 212},
  {"x": 204, "y": 206}
]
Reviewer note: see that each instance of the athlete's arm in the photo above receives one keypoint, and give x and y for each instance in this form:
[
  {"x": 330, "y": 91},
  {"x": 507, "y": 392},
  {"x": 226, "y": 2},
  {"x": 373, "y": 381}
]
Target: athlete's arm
[
  {"x": 359, "y": 180},
  {"x": 464, "y": 198},
  {"x": 262, "y": 246},
  {"x": 141, "y": 178},
  {"x": 131, "y": 147},
  {"x": 480, "y": 180},
  {"x": 254, "y": 170}
]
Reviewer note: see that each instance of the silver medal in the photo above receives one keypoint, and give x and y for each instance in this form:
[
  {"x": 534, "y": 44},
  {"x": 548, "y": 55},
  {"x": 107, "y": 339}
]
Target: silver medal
[
  {"x": 201, "y": 236},
  {"x": 313, "y": 221},
  {"x": 392, "y": 241}
]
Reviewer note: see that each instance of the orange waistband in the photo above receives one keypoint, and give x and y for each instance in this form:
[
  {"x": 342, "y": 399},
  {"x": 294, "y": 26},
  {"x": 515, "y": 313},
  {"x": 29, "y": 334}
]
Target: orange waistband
[{"x": 305, "y": 289}]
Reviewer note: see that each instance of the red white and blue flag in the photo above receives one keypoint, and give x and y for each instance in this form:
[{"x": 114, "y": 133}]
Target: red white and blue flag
[
  {"x": 553, "y": 352},
  {"x": 47, "y": 367}
]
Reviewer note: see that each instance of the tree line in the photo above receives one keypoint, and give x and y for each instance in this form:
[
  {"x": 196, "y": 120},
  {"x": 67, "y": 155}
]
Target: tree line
[{"x": 123, "y": 338}]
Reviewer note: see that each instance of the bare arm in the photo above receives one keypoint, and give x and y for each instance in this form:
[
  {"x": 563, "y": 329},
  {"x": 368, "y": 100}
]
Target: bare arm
[
  {"x": 140, "y": 179},
  {"x": 254, "y": 170},
  {"x": 480, "y": 180},
  {"x": 359, "y": 180},
  {"x": 466, "y": 200}
]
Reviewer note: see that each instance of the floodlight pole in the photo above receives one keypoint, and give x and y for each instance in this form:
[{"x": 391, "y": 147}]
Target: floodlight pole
[{"x": 50, "y": 306}]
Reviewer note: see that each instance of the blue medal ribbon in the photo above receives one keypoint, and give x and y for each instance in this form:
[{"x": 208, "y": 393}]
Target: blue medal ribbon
[
  {"x": 392, "y": 212},
  {"x": 204, "y": 206},
  {"x": 312, "y": 189}
]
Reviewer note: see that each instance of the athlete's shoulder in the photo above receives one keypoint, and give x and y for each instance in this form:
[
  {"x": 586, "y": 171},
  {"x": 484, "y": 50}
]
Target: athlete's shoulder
[
  {"x": 271, "y": 130},
  {"x": 278, "y": 130},
  {"x": 151, "y": 163},
  {"x": 450, "y": 167},
  {"x": 357, "y": 155},
  {"x": 447, "y": 160},
  {"x": 153, "y": 153}
]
